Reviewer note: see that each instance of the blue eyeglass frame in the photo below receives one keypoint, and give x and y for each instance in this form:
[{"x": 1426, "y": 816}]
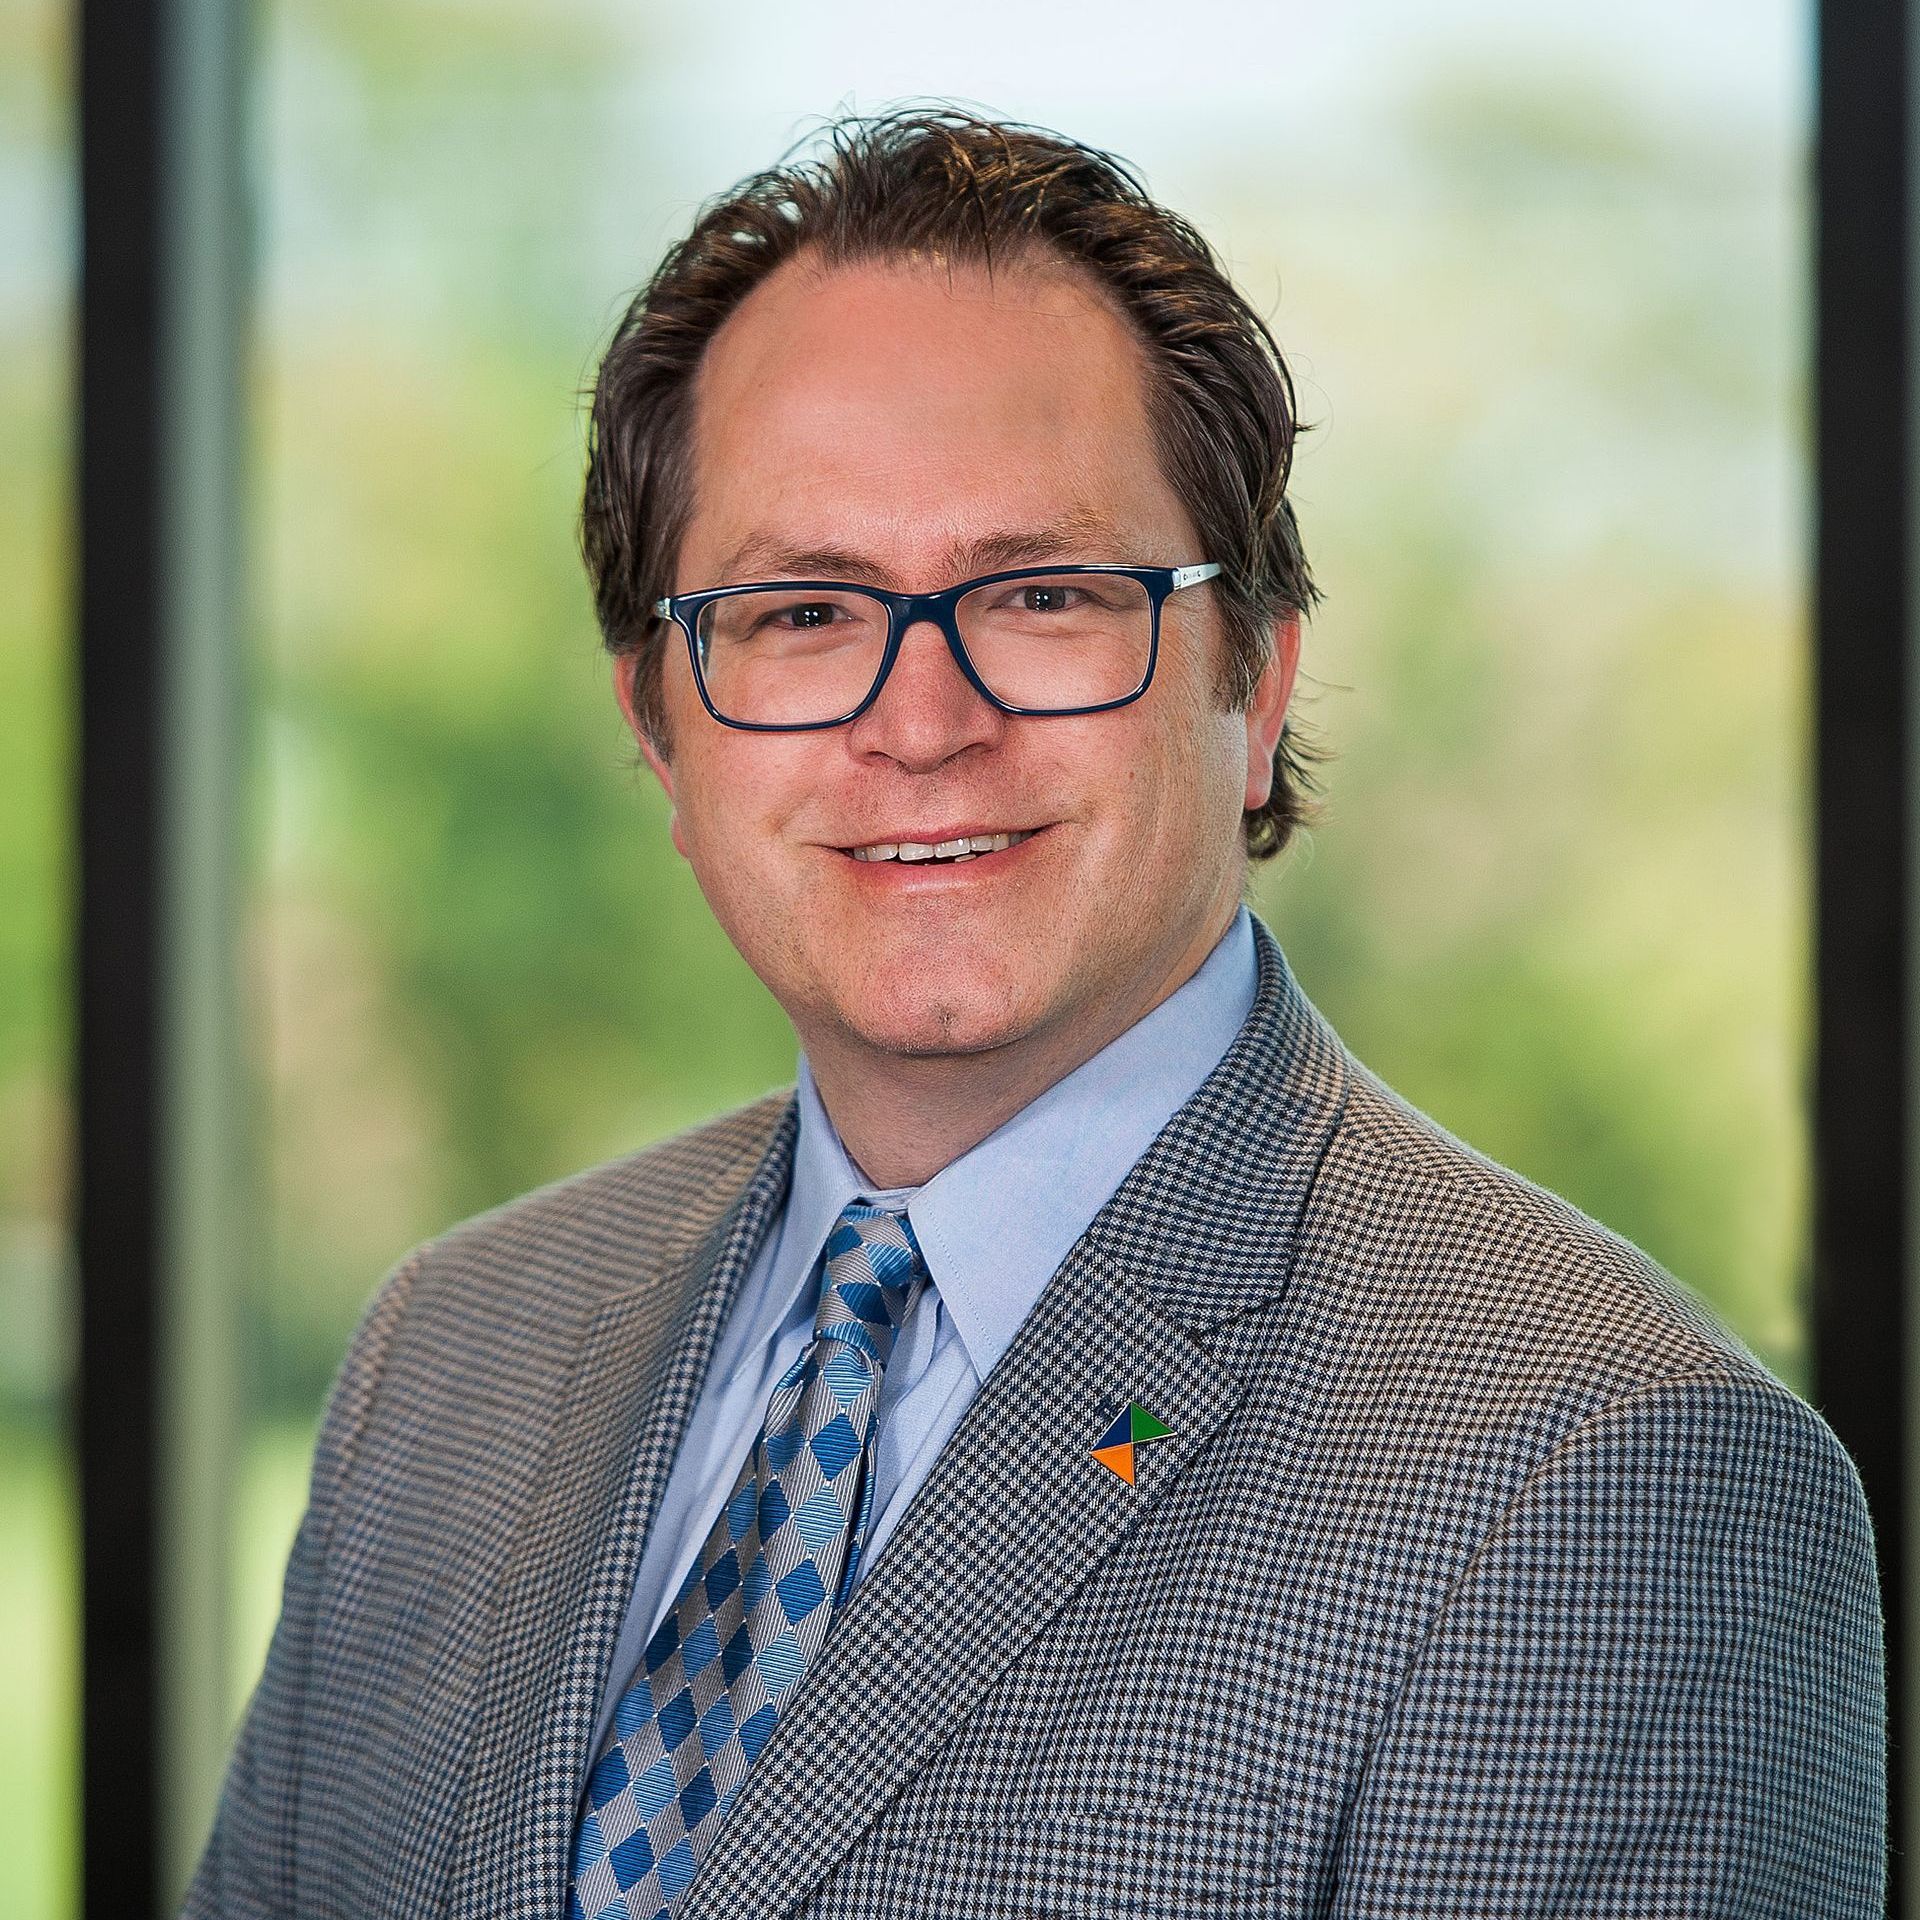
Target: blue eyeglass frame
[{"x": 905, "y": 610}]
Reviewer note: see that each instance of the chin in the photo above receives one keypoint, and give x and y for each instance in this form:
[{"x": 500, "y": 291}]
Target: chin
[
  {"x": 934, "y": 1032},
  {"x": 935, "y": 1022}
]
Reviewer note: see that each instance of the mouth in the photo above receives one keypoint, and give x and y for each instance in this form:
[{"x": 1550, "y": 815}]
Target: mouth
[{"x": 952, "y": 852}]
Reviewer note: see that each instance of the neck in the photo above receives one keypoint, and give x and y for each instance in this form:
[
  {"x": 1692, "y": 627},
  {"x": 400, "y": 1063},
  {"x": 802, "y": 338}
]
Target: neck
[{"x": 903, "y": 1117}]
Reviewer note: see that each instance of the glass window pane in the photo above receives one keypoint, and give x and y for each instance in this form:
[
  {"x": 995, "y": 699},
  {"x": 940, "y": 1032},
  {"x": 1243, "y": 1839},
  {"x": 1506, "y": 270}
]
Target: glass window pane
[
  {"x": 1540, "y": 280},
  {"x": 39, "y": 1530}
]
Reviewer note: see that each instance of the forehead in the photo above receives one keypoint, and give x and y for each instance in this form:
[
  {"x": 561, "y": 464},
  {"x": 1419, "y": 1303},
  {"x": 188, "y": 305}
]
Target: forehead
[{"x": 890, "y": 407}]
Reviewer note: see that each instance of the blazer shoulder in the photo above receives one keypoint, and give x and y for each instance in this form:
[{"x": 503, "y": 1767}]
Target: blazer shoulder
[
  {"x": 1507, "y": 1285},
  {"x": 639, "y": 1214},
  {"x": 492, "y": 1311}
]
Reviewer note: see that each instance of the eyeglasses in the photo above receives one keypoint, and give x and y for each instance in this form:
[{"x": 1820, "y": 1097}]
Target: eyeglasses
[{"x": 789, "y": 656}]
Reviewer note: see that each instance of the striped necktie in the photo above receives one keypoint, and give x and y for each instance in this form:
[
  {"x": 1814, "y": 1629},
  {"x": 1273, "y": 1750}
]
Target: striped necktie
[{"x": 755, "y": 1608}]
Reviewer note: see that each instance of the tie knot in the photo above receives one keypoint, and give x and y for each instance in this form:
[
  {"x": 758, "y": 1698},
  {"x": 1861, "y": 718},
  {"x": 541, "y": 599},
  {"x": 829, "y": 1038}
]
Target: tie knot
[{"x": 874, "y": 1271}]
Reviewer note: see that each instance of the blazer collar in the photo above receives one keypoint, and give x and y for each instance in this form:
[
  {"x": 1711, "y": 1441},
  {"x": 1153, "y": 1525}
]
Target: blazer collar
[{"x": 1208, "y": 1217}]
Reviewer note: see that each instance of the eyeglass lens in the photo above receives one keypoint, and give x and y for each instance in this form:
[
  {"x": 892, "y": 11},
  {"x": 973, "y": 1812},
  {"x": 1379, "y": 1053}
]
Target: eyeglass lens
[{"x": 791, "y": 656}]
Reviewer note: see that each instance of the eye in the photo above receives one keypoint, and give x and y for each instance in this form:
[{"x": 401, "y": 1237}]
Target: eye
[
  {"x": 804, "y": 615},
  {"x": 1045, "y": 596}
]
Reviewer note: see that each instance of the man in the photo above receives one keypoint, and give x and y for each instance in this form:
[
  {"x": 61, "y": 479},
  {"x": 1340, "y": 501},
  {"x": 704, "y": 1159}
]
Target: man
[{"x": 1094, "y": 1449}]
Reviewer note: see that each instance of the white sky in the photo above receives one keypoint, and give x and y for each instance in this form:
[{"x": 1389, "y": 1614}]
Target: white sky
[
  {"x": 1100, "y": 69},
  {"x": 1169, "y": 84}
]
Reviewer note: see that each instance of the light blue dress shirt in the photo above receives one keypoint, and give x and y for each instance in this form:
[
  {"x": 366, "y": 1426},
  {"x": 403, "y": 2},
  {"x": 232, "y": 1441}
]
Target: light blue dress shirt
[{"x": 993, "y": 1225}]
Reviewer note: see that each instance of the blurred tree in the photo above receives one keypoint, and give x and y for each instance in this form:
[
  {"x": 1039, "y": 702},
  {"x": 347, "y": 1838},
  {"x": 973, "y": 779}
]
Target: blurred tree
[
  {"x": 1556, "y": 899},
  {"x": 1560, "y": 898}
]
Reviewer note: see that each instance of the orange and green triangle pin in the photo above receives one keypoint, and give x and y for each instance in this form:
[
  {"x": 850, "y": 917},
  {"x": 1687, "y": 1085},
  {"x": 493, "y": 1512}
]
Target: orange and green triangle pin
[{"x": 1135, "y": 1428}]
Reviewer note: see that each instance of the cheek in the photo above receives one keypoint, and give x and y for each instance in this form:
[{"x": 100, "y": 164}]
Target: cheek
[
  {"x": 1191, "y": 768},
  {"x": 713, "y": 817},
  {"x": 741, "y": 801}
]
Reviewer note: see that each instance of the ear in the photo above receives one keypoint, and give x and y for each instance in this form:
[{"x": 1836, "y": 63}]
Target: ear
[
  {"x": 626, "y": 689},
  {"x": 1267, "y": 710}
]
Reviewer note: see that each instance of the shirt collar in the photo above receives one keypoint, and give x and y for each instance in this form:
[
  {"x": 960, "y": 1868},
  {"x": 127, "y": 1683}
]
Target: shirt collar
[
  {"x": 996, "y": 1223},
  {"x": 825, "y": 1183}
]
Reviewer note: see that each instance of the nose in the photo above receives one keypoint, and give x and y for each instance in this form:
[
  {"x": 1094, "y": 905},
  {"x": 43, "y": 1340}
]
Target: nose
[{"x": 928, "y": 711}]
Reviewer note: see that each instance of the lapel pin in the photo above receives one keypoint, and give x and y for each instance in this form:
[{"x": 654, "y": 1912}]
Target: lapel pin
[{"x": 1135, "y": 1428}]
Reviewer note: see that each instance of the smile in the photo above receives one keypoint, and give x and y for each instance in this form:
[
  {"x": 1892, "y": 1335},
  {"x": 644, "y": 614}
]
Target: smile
[{"x": 944, "y": 852}]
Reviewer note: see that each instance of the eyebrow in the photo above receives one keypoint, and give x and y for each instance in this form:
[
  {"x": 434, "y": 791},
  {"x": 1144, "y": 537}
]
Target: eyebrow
[{"x": 762, "y": 556}]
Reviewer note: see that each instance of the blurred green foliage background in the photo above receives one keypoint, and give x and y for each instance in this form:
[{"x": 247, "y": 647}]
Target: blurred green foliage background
[{"x": 1544, "y": 301}]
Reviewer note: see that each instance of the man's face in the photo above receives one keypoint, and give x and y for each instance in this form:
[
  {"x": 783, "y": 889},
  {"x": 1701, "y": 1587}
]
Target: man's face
[{"x": 908, "y": 426}]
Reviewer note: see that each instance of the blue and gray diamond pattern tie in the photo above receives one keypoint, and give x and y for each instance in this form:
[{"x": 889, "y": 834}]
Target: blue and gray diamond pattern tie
[{"x": 755, "y": 1609}]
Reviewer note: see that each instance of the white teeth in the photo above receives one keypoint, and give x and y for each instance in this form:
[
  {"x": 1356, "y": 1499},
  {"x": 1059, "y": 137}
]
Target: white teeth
[{"x": 967, "y": 847}]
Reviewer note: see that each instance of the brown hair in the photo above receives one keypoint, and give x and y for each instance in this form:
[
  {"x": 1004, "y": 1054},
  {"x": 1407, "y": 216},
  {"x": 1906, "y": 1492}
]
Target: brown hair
[{"x": 942, "y": 181}]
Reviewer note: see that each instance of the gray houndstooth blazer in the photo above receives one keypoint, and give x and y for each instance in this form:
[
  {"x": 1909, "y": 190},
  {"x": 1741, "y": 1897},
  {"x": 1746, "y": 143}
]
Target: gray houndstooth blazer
[{"x": 1482, "y": 1576}]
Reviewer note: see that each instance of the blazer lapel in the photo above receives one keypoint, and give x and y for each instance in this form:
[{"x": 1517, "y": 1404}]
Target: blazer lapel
[
  {"x": 1014, "y": 1515},
  {"x": 636, "y": 1375},
  {"x": 1017, "y": 1512}
]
